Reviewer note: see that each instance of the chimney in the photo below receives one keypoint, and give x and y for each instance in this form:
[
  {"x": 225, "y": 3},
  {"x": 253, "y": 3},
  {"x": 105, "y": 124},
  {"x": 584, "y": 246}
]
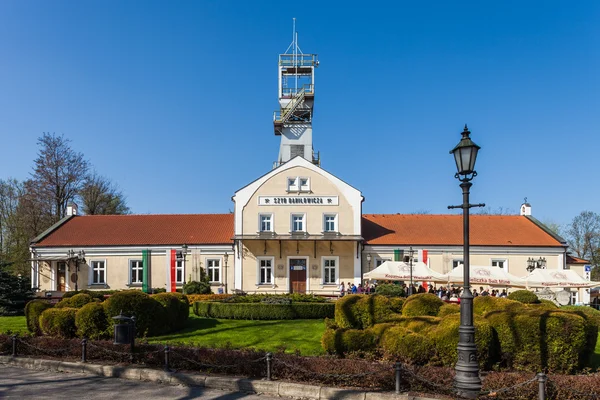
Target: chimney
[
  {"x": 525, "y": 208},
  {"x": 71, "y": 209}
]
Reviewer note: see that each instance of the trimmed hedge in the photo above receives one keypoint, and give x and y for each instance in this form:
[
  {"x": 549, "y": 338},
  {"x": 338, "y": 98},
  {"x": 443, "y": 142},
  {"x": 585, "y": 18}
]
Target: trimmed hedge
[
  {"x": 151, "y": 317},
  {"x": 275, "y": 298},
  {"x": 97, "y": 294},
  {"x": 58, "y": 322},
  {"x": 401, "y": 344},
  {"x": 33, "y": 310},
  {"x": 592, "y": 320},
  {"x": 448, "y": 309},
  {"x": 484, "y": 304},
  {"x": 422, "y": 304},
  {"x": 422, "y": 324},
  {"x": 389, "y": 289},
  {"x": 77, "y": 301},
  {"x": 524, "y": 296},
  {"x": 192, "y": 298},
  {"x": 176, "y": 307},
  {"x": 90, "y": 321},
  {"x": 262, "y": 311},
  {"x": 359, "y": 311},
  {"x": 535, "y": 340},
  {"x": 445, "y": 337}
]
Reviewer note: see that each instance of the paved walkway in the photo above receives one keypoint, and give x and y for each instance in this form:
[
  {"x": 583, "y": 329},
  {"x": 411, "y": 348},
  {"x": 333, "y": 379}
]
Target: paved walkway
[{"x": 19, "y": 383}]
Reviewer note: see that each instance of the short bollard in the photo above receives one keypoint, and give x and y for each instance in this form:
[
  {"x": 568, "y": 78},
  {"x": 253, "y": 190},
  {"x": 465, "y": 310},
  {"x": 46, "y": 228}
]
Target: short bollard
[
  {"x": 542, "y": 378},
  {"x": 269, "y": 358},
  {"x": 84, "y": 350},
  {"x": 14, "y": 345},
  {"x": 397, "y": 368},
  {"x": 167, "y": 351}
]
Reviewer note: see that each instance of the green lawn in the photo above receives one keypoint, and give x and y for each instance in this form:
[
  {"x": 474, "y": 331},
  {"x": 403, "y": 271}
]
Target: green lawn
[
  {"x": 13, "y": 325},
  {"x": 303, "y": 335}
]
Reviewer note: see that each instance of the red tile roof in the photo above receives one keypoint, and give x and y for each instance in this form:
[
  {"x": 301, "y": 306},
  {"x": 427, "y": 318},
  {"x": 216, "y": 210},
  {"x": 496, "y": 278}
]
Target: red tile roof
[
  {"x": 131, "y": 230},
  {"x": 576, "y": 260},
  {"x": 486, "y": 230},
  {"x": 377, "y": 229}
]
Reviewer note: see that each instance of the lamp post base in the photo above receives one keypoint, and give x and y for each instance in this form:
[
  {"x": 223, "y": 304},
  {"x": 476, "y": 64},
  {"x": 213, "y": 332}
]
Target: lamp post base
[{"x": 467, "y": 380}]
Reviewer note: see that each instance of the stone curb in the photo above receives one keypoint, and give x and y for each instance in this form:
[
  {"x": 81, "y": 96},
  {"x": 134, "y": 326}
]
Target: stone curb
[{"x": 273, "y": 388}]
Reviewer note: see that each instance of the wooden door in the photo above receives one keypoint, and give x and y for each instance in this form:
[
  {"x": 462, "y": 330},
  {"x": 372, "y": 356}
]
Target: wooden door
[
  {"x": 61, "y": 277},
  {"x": 297, "y": 275}
]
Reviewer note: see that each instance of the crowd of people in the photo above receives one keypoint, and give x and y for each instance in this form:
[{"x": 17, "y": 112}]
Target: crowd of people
[{"x": 449, "y": 293}]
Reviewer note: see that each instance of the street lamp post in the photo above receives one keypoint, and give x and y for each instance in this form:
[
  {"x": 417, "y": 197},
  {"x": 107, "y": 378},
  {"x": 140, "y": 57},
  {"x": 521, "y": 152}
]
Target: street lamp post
[
  {"x": 369, "y": 261},
  {"x": 467, "y": 380}
]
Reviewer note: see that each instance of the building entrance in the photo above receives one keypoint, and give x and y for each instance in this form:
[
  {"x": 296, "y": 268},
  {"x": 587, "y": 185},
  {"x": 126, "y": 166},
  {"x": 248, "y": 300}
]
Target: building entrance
[
  {"x": 61, "y": 277},
  {"x": 297, "y": 275}
]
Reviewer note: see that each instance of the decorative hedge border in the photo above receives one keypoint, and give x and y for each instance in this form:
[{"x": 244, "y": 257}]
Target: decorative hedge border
[{"x": 261, "y": 311}]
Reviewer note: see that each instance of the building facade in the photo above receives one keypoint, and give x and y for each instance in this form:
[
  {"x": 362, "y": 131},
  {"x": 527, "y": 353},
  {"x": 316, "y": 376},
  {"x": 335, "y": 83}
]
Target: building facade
[{"x": 297, "y": 228}]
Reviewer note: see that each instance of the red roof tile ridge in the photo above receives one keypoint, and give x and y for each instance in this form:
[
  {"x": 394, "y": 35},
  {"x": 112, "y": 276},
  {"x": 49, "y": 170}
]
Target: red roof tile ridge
[
  {"x": 439, "y": 215},
  {"x": 152, "y": 215}
]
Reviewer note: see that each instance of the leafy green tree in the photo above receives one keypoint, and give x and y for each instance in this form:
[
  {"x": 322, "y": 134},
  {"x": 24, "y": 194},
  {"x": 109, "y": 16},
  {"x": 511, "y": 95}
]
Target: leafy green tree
[{"x": 15, "y": 292}]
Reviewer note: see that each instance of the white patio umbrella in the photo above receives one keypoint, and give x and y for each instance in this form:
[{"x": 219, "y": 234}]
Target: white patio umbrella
[
  {"x": 557, "y": 278},
  {"x": 400, "y": 271},
  {"x": 485, "y": 275}
]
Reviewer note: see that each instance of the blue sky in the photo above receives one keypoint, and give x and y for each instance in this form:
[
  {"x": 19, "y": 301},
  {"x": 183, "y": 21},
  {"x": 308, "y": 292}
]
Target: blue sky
[{"x": 173, "y": 100}]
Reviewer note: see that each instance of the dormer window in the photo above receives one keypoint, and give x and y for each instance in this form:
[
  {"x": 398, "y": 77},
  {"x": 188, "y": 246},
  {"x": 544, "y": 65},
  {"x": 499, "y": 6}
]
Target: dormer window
[
  {"x": 304, "y": 184},
  {"x": 293, "y": 185},
  {"x": 298, "y": 184}
]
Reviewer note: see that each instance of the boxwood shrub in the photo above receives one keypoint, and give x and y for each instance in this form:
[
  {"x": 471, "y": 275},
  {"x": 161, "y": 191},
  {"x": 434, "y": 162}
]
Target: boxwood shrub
[
  {"x": 151, "y": 317},
  {"x": 422, "y": 304},
  {"x": 177, "y": 309},
  {"x": 33, "y": 310},
  {"x": 58, "y": 322},
  {"x": 90, "y": 321},
  {"x": 445, "y": 338},
  {"x": 344, "y": 341},
  {"x": 77, "y": 301},
  {"x": 263, "y": 311},
  {"x": 535, "y": 340},
  {"x": 417, "y": 324},
  {"x": 399, "y": 343},
  {"x": 97, "y": 294},
  {"x": 524, "y": 296},
  {"x": 448, "y": 309},
  {"x": 359, "y": 311},
  {"x": 485, "y": 304},
  {"x": 592, "y": 319}
]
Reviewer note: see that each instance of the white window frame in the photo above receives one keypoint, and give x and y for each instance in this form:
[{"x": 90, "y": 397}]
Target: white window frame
[
  {"x": 208, "y": 268},
  {"x": 293, "y": 184},
  {"x": 180, "y": 266},
  {"x": 292, "y": 215},
  {"x": 130, "y": 270},
  {"x": 259, "y": 267},
  {"x": 91, "y": 276},
  {"x": 504, "y": 262},
  {"x": 272, "y": 222},
  {"x": 335, "y": 222},
  {"x": 303, "y": 188},
  {"x": 336, "y": 259}
]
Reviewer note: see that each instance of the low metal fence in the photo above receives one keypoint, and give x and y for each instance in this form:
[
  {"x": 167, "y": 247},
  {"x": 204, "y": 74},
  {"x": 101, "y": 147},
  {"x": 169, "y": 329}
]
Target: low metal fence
[{"x": 268, "y": 366}]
